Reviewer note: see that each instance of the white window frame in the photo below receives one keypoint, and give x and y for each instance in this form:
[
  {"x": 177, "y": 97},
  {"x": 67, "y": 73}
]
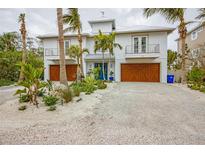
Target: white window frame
[
  {"x": 194, "y": 37},
  {"x": 65, "y": 44},
  {"x": 140, "y": 43}
]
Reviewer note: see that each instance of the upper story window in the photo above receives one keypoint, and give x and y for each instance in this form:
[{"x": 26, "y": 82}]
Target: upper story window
[
  {"x": 195, "y": 53},
  {"x": 140, "y": 44},
  {"x": 66, "y": 44},
  {"x": 194, "y": 35}
]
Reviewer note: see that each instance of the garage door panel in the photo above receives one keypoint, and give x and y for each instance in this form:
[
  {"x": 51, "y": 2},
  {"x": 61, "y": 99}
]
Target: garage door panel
[
  {"x": 71, "y": 71},
  {"x": 140, "y": 72}
]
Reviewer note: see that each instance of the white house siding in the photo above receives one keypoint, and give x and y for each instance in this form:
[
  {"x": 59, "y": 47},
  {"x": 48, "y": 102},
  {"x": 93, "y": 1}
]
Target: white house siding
[
  {"x": 153, "y": 38},
  {"x": 104, "y": 27}
]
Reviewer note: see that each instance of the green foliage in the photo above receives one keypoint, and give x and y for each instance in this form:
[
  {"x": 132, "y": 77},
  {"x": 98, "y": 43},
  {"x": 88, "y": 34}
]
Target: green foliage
[
  {"x": 50, "y": 100},
  {"x": 75, "y": 52},
  {"x": 171, "y": 58},
  {"x": 9, "y": 69},
  {"x": 65, "y": 94},
  {"x": 22, "y": 108},
  {"x": 96, "y": 72},
  {"x": 41, "y": 92},
  {"x": 52, "y": 108},
  {"x": 76, "y": 90},
  {"x": 89, "y": 85},
  {"x": 32, "y": 82},
  {"x": 4, "y": 82},
  {"x": 101, "y": 84},
  {"x": 9, "y": 41},
  {"x": 196, "y": 75},
  {"x": 196, "y": 79},
  {"x": 24, "y": 98}
]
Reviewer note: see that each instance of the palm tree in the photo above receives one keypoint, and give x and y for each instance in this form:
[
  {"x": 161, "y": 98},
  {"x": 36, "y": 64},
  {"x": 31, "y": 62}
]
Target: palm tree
[
  {"x": 73, "y": 20},
  {"x": 74, "y": 51},
  {"x": 112, "y": 44},
  {"x": 23, "y": 36},
  {"x": 101, "y": 44},
  {"x": 174, "y": 15},
  {"x": 201, "y": 14},
  {"x": 63, "y": 78}
]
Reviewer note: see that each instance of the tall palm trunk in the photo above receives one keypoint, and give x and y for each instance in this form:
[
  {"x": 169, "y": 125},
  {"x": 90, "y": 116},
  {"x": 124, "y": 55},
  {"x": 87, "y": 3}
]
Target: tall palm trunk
[
  {"x": 109, "y": 64},
  {"x": 81, "y": 52},
  {"x": 63, "y": 77},
  {"x": 183, "y": 33},
  {"x": 103, "y": 65},
  {"x": 23, "y": 35},
  {"x": 78, "y": 71}
]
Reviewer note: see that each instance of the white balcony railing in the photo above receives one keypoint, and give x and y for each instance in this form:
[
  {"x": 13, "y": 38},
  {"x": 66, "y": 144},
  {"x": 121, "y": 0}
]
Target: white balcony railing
[
  {"x": 151, "y": 48},
  {"x": 52, "y": 52}
]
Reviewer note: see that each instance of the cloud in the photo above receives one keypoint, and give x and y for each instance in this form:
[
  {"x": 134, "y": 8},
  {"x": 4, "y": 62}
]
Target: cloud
[{"x": 42, "y": 21}]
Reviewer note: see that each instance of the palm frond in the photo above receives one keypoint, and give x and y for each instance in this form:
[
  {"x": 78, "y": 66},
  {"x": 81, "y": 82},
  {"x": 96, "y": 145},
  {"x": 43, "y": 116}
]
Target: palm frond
[{"x": 201, "y": 13}]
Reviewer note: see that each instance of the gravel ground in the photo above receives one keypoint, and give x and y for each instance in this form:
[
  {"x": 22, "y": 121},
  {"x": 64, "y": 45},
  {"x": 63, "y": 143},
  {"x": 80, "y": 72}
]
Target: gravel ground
[{"x": 124, "y": 113}]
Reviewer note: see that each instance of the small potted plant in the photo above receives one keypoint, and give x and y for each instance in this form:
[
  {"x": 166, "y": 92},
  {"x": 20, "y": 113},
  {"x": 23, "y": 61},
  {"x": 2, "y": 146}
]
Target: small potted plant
[{"x": 111, "y": 78}]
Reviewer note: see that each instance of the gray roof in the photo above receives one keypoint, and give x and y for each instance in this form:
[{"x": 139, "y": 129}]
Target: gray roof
[
  {"x": 133, "y": 29},
  {"x": 144, "y": 28}
]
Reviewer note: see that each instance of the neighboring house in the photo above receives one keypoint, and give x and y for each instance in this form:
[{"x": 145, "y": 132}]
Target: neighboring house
[
  {"x": 142, "y": 59},
  {"x": 195, "y": 42}
]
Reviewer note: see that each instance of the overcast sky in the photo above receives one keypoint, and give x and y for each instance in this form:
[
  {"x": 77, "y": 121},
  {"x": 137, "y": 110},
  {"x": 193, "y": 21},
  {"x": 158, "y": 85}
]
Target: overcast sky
[{"x": 43, "y": 21}]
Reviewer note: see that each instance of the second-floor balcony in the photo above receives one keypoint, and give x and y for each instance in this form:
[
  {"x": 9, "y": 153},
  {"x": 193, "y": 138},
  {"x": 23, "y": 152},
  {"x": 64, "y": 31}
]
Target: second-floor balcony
[
  {"x": 146, "y": 51},
  {"x": 53, "y": 53}
]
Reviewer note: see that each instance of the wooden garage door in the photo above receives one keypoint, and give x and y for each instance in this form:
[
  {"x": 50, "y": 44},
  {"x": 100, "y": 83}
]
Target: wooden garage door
[
  {"x": 70, "y": 71},
  {"x": 140, "y": 72}
]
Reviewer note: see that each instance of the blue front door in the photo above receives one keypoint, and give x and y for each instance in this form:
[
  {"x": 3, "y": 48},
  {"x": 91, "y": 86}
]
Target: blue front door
[{"x": 101, "y": 70}]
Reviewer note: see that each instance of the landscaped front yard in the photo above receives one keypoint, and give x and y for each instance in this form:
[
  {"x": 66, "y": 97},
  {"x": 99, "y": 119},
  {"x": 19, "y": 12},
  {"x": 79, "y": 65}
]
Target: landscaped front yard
[{"x": 124, "y": 113}]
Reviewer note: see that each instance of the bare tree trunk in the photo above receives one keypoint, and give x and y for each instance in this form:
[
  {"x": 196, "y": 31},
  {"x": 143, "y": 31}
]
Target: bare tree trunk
[
  {"x": 23, "y": 35},
  {"x": 63, "y": 77}
]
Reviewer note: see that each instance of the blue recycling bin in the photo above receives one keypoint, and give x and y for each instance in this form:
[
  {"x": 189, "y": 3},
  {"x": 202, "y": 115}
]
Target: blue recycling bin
[{"x": 170, "y": 78}]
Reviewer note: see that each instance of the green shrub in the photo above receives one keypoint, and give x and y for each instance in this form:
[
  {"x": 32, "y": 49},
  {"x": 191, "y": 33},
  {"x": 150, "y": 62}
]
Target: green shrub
[
  {"x": 65, "y": 94},
  {"x": 89, "y": 85},
  {"x": 50, "y": 100},
  {"x": 24, "y": 98},
  {"x": 9, "y": 69},
  {"x": 22, "y": 108},
  {"x": 196, "y": 75},
  {"x": 5, "y": 82},
  {"x": 52, "y": 108},
  {"x": 76, "y": 90},
  {"x": 101, "y": 84},
  {"x": 41, "y": 92}
]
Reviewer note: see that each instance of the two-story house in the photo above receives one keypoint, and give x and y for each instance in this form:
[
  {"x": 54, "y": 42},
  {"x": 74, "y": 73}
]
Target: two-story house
[
  {"x": 142, "y": 59},
  {"x": 195, "y": 42}
]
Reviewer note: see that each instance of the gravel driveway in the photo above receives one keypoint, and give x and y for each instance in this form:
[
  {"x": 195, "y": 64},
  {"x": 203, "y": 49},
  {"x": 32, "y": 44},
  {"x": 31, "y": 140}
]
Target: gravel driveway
[{"x": 125, "y": 113}]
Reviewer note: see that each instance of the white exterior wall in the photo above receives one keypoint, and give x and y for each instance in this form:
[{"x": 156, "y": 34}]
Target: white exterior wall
[
  {"x": 53, "y": 43},
  {"x": 124, "y": 40},
  {"x": 153, "y": 38},
  {"x": 104, "y": 27}
]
